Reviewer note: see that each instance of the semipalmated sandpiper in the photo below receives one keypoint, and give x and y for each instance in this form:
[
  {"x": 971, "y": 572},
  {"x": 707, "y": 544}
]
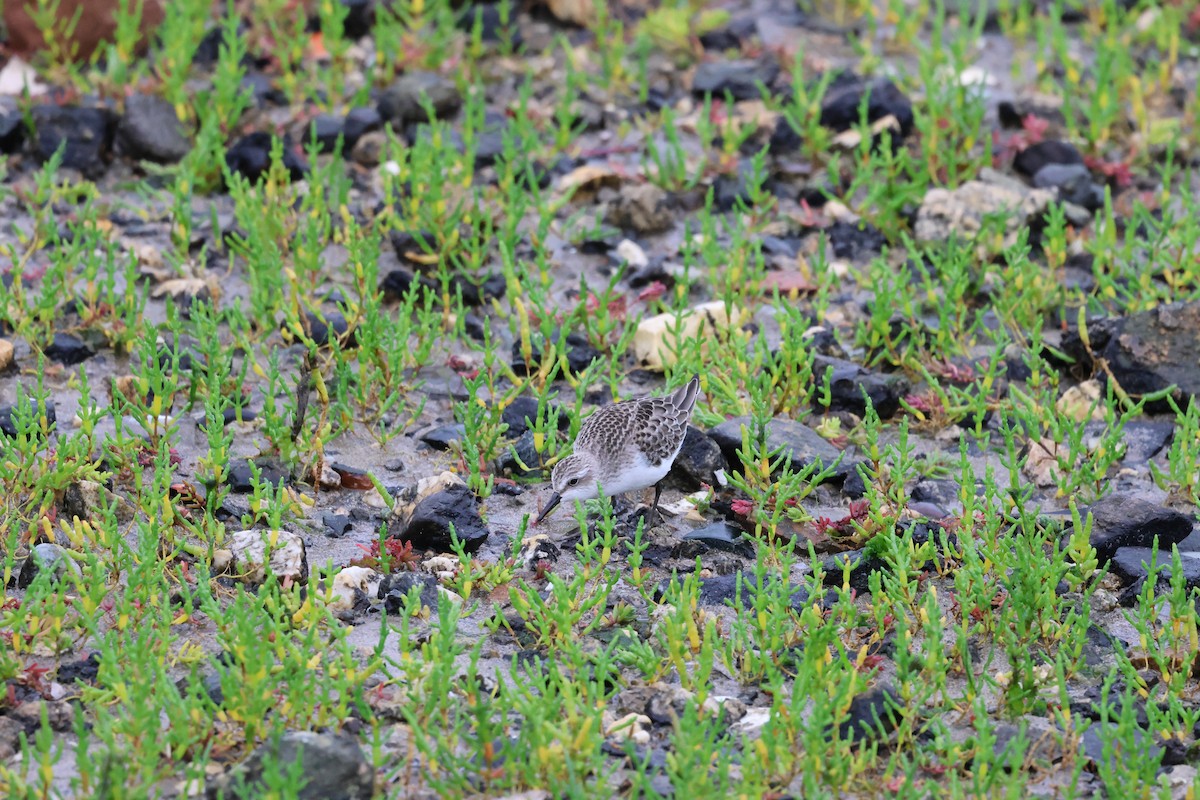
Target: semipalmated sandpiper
[{"x": 625, "y": 447}]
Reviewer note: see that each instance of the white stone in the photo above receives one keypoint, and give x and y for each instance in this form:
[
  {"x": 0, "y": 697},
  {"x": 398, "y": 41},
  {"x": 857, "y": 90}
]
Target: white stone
[
  {"x": 288, "y": 561},
  {"x": 658, "y": 338}
]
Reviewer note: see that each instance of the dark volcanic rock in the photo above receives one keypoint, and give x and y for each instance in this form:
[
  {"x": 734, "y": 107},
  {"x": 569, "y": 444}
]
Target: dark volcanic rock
[
  {"x": 850, "y": 385},
  {"x": 492, "y": 26},
  {"x": 151, "y": 130},
  {"x": 800, "y": 441},
  {"x": 698, "y": 461},
  {"x": 580, "y": 355},
  {"x": 359, "y": 121},
  {"x": 250, "y": 157},
  {"x": 394, "y": 589},
  {"x": 1074, "y": 184},
  {"x": 1126, "y": 521},
  {"x": 840, "y": 110},
  {"x": 12, "y": 132},
  {"x": 1143, "y": 439},
  {"x": 854, "y": 241},
  {"x": 8, "y": 413},
  {"x": 1147, "y": 352},
  {"x": 46, "y": 558},
  {"x": 1030, "y": 161},
  {"x": 68, "y": 350},
  {"x": 360, "y": 17},
  {"x": 404, "y": 101},
  {"x": 325, "y": 130},
  {"x": 1130, "y": 564},
  {"x": 722, "y": 590},
  {"x": 332, "y": 766},
  {"x": 432, "y": 519},
  {"x": 241, "y": 475},
  {"x": 322, "y": 326},
  {"x": 739, "y": 78},
  {"x": 862, "y": 564},
  {"x": 871, "y": 713},
  {"x": 443, "y": 437},
  {"x": 785, "y": 138},
  {"x": 722, "y": 536},
  {"x": 85, "y": 133}
]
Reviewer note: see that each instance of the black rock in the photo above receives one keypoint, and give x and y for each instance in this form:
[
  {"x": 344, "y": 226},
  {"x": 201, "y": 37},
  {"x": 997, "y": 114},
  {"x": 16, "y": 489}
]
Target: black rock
[
  {"x": 1074, "y": 184},
  {"x": 240, "y": 477},
  {"x": 525, "y": 407},
  {"x": 12, "y": 132},
  {"x": 722, "y": 536},
  {"x": 698, "y": 461},
  {"x": 402, "y": 103},
  {"x": 1092, "y": 746},
  {"x": 802, "y": 443},
  {"x": 785, "y": 138},
  {"x": 733, "y": 191},
  {"x": 325, "y": 130},
  {"x": 336, "y": 525},
  {"x": 151, "y": 130},
  {"x": 848, "y": 382},
  {"x": 862, "y": 564},
  {"x": 870, "y": 714},
  {"x": 322, "y": 326},
  {"x": 455, "y": 506},
  {"x": 840, "y": 109},
  {"x": 263, "y": 90},
  {"x": 739, "y": 78},
  {"x": 722, "y": 590},
  {"x": 443, "y": 437},
  {"x": 394, "y": 589},
  {"x": 68, "y": 350},
  {"x": 83, "y": 670},
  {"x": 580, "y": 355},
  {"x": 1126, "y": 521},
  {"x": 939, "y": 492},
  {"x": 852, "y": 241},
  {"x": 46, "y": 557},
  {"x": 1030, "y": 161},
  {"x": 250, "y": 157},
  {"x": 396, "y": 284},
  {"x": 360, "y": 18},
  {"x": 731, "y": 36},
  {"x": 359, "y": 121},
  {"x": 1130, "y": 564},
  {"x": 475, "y": 293},
  {"x": 1146, "y": 352},
  {"x": 492, "y": 27},
  {"x": 523, "y": 451},
  {"x": 85, "y": 133},
  {"x": 1143, "y": 439},
  {"x": 329, "y": 766}
]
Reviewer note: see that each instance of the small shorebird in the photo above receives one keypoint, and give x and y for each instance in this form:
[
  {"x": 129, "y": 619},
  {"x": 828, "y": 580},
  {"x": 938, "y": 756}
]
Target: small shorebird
[{"x": 625, "y": 447}]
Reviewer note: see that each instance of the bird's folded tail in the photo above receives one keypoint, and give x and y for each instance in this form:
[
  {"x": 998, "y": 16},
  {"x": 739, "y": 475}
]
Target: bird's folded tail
[{"x": 685, "y": 396}]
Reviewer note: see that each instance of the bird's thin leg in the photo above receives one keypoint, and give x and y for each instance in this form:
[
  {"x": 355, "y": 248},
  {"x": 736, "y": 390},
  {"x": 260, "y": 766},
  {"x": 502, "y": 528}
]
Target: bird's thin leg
[{"x": 654, "y": 505}]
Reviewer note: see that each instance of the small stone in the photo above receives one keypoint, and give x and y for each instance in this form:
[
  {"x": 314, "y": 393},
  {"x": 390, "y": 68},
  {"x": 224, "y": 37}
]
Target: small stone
[
  {"x": 434, "y": 518},
  {"x": 325, "y": 130},
  {"x": 241, "y": 476},
  {"x": 851, "y": 386},
  {"x": 631, "y": 254},
  {"x": 962, "y": 212},
  {"x": 741, "y": 79},
  {"x": 360, "y": 18},
  {"x": 352, "y": 590},
  {"x": 1082, "y": 402},
  {"x": 89, "y": 501},
  {"x": 336, "y": 525},
  {"x": 328, "y": 766},
  {"x": 394, "y": 591},
  {"x": 804, "y": 445},
  {"x": 642, "y": 207},
  {"x": 150, "y": 130},
  {"x": 862, "y": 564},
  {"x": 320, "y": 326},
  {"x": 1130, "y": 564},
  {"x": 80, "y": 26},
  {"x": 12, "y": 132},
  {"x": 443, "y": 437},
  {"x": 357, "y": 123},
  {"x": 840, "y": 108},
  {"x": 250, "y": 157},
  {"x": 68, "y": 350},
  {"x": 47, "y": 558},
  {"x": 659, "y": 339},
  {"x": 7, "y": 355},
  {"x": 288, "y": 561},
  {"x": 86, "y": 132},
  {"x": 1146, "y": 352},
  {"x": 722, "y": 536},
  {"x": 869, "y": 713},
  {"x": 1127, "y": 521},
  {"x": 368, "y": 150},
  {"x": 1030, "y": 161},
  {"x": 699, "y": 460},
  {"x": 723, "y": 591},
  {"x": 1074, "y": 184},
  {"x": 403, "y": 102},
  {"x": 491, "y": 23}
]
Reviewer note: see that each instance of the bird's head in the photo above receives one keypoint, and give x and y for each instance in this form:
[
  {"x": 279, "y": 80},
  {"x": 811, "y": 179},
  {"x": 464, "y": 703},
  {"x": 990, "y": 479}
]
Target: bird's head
[{"x": 573, "y": 478}]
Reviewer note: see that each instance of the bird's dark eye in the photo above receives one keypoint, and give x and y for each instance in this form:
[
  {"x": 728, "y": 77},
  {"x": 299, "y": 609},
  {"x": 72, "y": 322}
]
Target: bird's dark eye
[{"x": 573, "y": 482}]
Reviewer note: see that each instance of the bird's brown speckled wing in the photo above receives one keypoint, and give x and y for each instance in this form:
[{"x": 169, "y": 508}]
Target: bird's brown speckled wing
[{"x": 655, "y": 425}]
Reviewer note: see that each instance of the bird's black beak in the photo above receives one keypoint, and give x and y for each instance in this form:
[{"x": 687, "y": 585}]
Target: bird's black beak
[{"x": 555, "y": 499}]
